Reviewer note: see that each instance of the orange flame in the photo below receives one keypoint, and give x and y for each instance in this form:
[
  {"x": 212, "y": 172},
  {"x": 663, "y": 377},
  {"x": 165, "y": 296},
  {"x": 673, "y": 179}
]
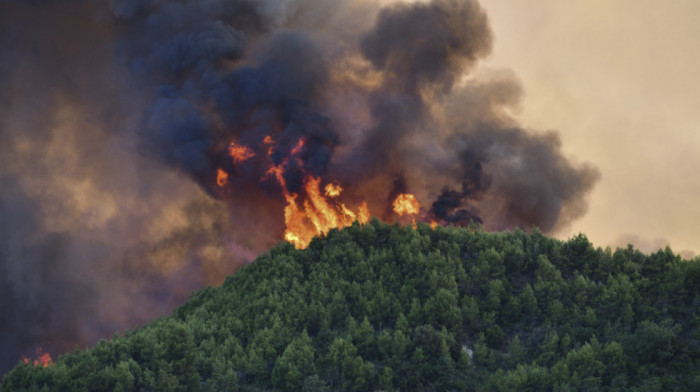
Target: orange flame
[
  {"x": 406, "y": 204},
  {"x": 269, "y": 143},
  {"x": 333, "y": 190},
  {"x": 44, "y": 359},
  {"x": 314, "y": 209},
  {"x": 239, "y": 153},
  {"x": 277, "y": 172},
  {"x": 310, "y": 212},
  {"x": 221, "y": 178},
  {"x": 298, "y": 148},
  {"x": 317, "y": 215},
  {"x": 363, "y": 213}
]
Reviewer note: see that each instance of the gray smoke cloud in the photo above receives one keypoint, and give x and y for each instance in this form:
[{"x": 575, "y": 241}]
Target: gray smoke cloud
[{"x": 116, "y": 117}]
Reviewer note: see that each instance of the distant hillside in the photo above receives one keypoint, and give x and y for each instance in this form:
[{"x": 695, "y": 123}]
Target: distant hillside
[{"x": 381, "y": 307}]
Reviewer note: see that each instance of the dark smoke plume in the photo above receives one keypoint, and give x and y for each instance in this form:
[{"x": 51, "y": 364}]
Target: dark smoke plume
[{"x": 116, "y": 117}]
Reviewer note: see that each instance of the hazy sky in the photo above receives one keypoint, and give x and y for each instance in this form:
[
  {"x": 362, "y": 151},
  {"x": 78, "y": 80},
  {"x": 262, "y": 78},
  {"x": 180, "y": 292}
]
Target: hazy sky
[{"x": 620, "y": 81}]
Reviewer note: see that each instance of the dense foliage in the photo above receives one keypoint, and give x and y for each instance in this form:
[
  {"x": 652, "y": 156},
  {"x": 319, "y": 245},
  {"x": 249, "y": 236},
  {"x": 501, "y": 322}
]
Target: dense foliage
[{"x": 380, "y": 307}]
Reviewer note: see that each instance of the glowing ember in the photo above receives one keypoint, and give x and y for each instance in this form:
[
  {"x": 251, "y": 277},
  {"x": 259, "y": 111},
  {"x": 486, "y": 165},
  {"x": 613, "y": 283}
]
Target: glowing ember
[
  {"x": 406, "y": 204},
  {"x": 239, "y": 153},
  {"x": 333, "y": 190},
  {"x": 221, "y": 178}
]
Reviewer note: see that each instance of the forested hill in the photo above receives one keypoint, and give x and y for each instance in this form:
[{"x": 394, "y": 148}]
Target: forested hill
[{"x": 380, "y": 307}]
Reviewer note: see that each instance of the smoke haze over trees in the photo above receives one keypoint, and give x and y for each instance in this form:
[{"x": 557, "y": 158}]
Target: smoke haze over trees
[{"x": 116, "y": 116}]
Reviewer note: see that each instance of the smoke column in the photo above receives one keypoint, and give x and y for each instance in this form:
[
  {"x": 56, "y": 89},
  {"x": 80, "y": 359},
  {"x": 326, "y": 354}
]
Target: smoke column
[{"x": 149, "y": 147}]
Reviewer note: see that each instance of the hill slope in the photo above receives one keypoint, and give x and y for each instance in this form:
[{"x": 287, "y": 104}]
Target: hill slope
[{"x": 381, "y": 307}]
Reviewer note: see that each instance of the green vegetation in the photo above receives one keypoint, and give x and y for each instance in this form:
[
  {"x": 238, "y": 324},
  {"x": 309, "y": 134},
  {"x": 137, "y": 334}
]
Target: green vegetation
[{"x": 383, "y": 307}]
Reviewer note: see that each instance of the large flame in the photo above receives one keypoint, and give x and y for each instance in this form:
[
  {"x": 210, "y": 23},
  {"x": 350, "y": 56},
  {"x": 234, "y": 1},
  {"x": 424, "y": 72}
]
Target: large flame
[
  {"x": 318, "y": 206},
  {"x": 316, "y": 209},
  {"x": 312, "y": 211},
  {"x": 316, "y": 214},
  {"x": 406, "y": 204}
]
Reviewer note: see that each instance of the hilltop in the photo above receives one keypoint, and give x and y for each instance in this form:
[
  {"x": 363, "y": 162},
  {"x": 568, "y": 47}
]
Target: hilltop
[{"x": 384, "y": 307}]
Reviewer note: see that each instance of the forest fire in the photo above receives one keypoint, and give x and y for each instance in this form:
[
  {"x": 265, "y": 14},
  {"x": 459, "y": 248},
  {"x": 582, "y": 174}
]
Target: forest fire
[
  {"x": 43, "y": 359},
  {"x": 252, "y": 122},
  {"x": 308, "y": 212},
  {"x": 406, "y": 204},
  {"x": 291, "y": 134},
  {"x": 316, "y": 214}
]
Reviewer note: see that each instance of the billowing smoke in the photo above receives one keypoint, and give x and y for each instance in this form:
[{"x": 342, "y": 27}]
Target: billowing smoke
[{"x": 149, "y": 147}]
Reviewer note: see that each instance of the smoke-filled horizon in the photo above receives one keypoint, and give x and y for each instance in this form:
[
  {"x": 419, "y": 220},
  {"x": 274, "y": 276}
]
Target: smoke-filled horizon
[
  {"x": 148, "y": 148},
  {"x": 618, "y": 80}
]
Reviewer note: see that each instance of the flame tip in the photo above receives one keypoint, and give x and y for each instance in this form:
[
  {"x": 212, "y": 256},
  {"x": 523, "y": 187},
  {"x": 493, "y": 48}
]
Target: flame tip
[{"x": 239, "y": 153}]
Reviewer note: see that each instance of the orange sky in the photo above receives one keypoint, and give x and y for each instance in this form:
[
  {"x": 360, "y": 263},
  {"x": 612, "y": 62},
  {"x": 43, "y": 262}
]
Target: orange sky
[{"x": 620, "y": 81}]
